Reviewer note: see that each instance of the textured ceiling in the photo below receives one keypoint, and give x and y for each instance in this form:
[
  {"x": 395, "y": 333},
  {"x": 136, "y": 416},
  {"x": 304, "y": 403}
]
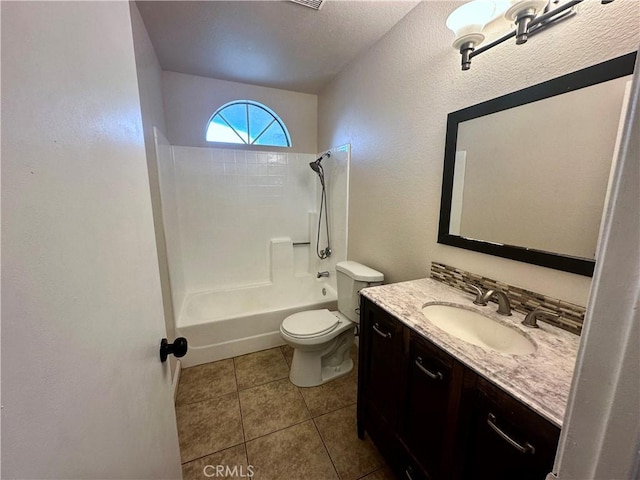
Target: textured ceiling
[{"x": 270, "y": 43}]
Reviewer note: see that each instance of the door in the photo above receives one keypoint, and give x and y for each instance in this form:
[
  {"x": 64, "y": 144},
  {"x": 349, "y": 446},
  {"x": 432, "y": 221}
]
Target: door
[
  {"x": 430, "y": 414},
  {"x": 84, "y": 394},
  {"x": 384, "y": 346}
]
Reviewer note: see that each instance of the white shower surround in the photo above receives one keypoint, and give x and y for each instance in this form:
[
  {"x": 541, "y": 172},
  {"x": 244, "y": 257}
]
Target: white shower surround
[{"x": 231, "y": 219}]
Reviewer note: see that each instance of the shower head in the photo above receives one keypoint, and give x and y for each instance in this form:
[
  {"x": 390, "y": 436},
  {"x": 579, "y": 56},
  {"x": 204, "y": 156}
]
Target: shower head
[{"x": 315, "y": 165}]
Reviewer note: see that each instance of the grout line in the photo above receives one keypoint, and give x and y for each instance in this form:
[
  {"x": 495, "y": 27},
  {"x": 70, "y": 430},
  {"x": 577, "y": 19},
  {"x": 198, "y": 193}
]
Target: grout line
[
  {"x": 182, "y": 404},
  {"x": 326, "y": 449},
  {"x": 281, "y": 429},
  {"x": 261, "y": 384},
  {"x": 374, "y": 471},
  {"x": 208, "y": 399},
  {"x": 303, "y": 402},
  {"x": 213, "y": 453},
  {"x": 285, "y": 358},
  {"x": 335, "y": 410},
  {"x": 235, "y": 375}
]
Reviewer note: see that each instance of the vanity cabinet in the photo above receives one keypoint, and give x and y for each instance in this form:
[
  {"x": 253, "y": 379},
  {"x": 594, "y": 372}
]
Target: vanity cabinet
[{"x": 434, "y": 418}]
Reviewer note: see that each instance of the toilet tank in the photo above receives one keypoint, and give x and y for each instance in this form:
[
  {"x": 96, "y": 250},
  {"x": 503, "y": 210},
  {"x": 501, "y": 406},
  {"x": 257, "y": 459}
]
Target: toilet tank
[{"x": 353, "y": 277}]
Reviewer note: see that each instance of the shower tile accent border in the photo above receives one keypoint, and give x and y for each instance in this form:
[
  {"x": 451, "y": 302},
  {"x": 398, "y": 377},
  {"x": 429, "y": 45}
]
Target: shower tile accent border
[{"x": 523, "y": 301}]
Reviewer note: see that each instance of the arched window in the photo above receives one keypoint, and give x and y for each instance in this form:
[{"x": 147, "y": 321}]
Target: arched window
[{"x": 249, "y": 123}]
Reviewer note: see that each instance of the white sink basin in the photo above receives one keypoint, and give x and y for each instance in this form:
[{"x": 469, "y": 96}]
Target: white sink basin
[{"x": 477, "y": 329}]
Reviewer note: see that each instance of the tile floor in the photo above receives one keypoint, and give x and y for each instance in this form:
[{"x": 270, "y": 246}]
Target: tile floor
[{"x": 245, "y": 412}]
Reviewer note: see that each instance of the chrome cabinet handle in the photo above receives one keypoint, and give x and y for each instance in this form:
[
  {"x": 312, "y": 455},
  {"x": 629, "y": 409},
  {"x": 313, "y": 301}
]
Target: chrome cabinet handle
[
  {"x": 431, "y": 375},
  {"x": 376, "y": 328},
  {"x": 527, "y": 448},
  {"x": 407, "y": 473}
]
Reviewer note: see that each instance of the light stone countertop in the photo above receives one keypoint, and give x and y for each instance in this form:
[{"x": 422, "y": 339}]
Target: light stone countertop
[{"x": 541, "y": 380}]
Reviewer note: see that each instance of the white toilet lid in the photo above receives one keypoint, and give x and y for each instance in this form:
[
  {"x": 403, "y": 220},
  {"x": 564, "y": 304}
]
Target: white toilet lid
[{"x": 312, "y": 323}]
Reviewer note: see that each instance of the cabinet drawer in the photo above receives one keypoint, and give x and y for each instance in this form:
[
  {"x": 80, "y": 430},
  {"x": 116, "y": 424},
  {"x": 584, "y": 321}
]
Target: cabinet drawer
[{"x": 507, "y": 439}]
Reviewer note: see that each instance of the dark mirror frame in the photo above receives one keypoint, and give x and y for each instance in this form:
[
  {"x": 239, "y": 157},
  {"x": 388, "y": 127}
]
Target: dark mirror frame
[{"x": 602, "y": 72}]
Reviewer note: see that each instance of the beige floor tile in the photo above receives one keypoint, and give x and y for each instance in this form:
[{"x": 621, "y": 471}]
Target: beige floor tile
[
  {"x": 270, "y": 407},
  {"x": 209, "y": 426},
  {"x": 287, "y": 351},
  {"x": 229, "y": 464},
  {"x": 331, "y": 395},
  {"x": 384, "y": 473},
  {"x": 260, "y": 367},
  {"x": 206, "y": 381},
  {"x": 294, "y": 453},
  {"x": 352, "y": 457}
]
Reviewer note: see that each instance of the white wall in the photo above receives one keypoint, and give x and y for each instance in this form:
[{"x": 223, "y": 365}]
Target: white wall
[
  {"x": 392, "y": 105},
  {"x": 84, "y": 394},
  {"x": 190, "y": 101},
  {"x": 152, "y": 110}
]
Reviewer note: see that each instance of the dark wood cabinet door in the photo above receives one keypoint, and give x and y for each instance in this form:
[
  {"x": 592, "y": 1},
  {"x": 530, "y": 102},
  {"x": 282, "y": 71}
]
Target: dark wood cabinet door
[
  {"x": 506, "y": 440},
  {"x": 383, "y": 337},
  {"x": 433, "y": 390}
]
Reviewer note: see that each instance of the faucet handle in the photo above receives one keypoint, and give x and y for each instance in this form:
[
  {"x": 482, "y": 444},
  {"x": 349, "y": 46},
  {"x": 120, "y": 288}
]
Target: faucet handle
[
  {"x": 480, "y": 295},
  {"x": 531, "y": 320},
  {"x": 483, "y": 296}
]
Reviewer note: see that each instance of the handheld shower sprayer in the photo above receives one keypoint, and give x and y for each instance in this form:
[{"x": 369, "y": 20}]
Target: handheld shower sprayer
[{"x": 317, "y": 167}]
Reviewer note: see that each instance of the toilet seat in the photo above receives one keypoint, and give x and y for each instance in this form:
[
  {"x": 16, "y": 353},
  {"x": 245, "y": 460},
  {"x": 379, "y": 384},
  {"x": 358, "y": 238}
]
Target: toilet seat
[{"x": 310, "y": 324}]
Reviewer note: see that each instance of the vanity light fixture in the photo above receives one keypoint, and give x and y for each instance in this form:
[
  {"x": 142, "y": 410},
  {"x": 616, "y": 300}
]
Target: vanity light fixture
[
  {"x": 467, "y": 22},
  {"x": 528, "y": 16}
]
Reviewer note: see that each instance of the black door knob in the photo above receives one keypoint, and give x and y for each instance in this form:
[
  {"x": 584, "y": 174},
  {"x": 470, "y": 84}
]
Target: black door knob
[{"x": 178, "y": 348}]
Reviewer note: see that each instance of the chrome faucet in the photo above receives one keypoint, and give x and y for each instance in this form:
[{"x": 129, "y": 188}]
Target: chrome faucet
[
  {"x": 504, "y": 306},
  {"x": 482, "y": 298},
  {"x": 322, "y": 274},
  {"x": 531, "y": 320}
]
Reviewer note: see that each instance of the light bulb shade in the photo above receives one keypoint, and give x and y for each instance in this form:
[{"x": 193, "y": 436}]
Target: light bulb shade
[
  {"x": 470, "y": 18},
  {"x": 520, "y": 6}
]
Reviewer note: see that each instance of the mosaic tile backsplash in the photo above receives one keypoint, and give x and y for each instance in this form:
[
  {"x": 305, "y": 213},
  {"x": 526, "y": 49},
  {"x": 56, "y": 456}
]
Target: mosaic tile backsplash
[{"x": 523, "y": 301}]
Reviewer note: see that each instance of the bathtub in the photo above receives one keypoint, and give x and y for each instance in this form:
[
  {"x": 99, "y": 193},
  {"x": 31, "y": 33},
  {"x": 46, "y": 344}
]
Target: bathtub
[{"x": 225, "y": 323}]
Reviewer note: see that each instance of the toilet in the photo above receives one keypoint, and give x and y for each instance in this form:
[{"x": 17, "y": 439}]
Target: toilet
[{"x": 322, "y": 339}]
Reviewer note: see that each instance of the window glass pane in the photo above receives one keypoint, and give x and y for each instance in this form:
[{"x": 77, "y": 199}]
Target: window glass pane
[
  {"x": 229, "y": 125},
  {"x": 259, "y": 119},
  {"x": 273, "y": 136},
  {"x": 219, "y": 131},
  {"x": 236, "y": 115}
]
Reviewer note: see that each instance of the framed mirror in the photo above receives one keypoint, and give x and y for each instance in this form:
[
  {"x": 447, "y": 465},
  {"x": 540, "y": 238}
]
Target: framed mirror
[{"x": 526, "y": 175}]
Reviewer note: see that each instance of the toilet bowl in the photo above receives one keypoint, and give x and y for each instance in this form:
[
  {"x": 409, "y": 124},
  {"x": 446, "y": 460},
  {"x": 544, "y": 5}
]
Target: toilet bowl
[{"x": 322, "y": 339}]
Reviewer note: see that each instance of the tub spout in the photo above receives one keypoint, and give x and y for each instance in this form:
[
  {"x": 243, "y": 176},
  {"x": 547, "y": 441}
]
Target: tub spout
[{"x": 322, "y": 274}]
